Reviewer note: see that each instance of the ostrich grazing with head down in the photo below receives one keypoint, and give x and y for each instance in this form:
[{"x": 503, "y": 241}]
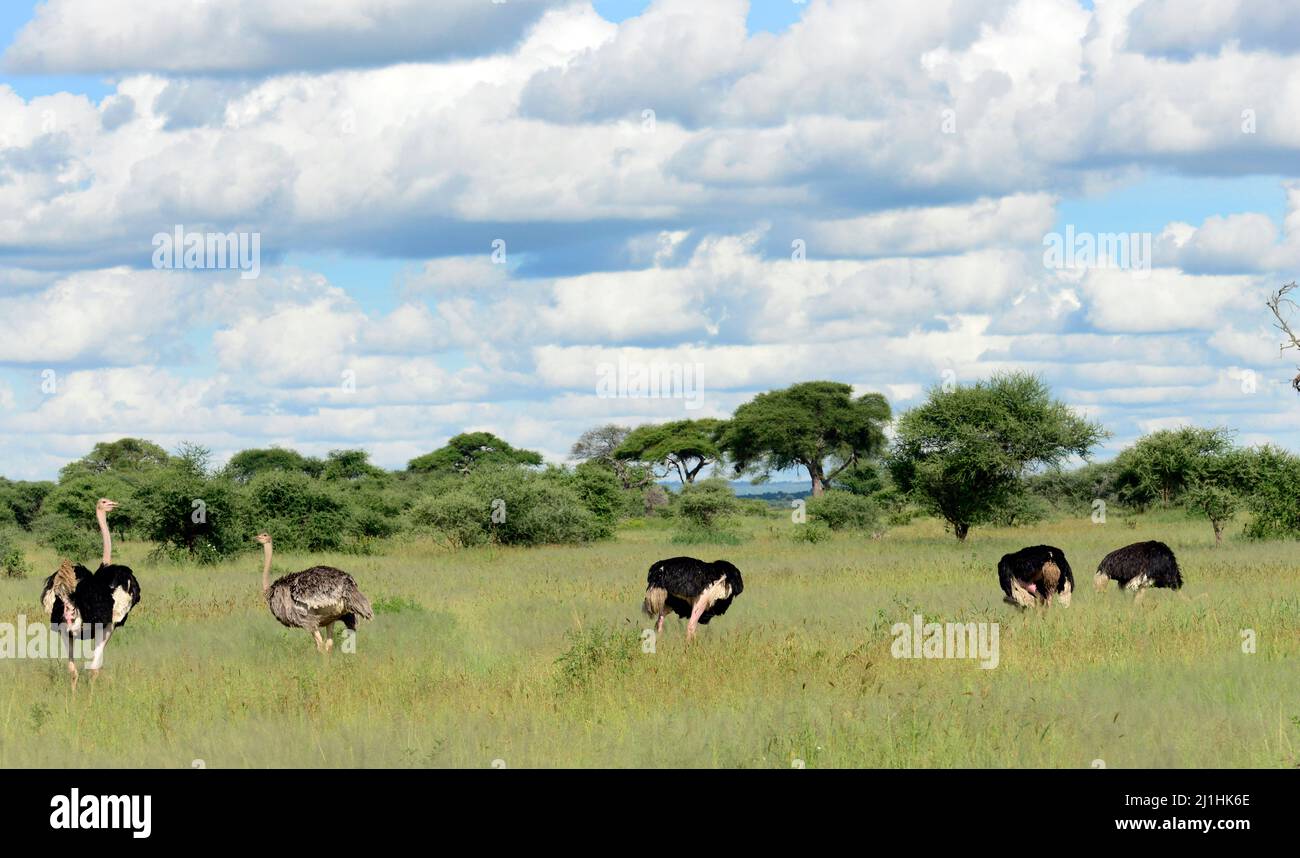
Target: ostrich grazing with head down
[
  {"x": 1139, "y": 566},
  {"x": 316, "y": 597},
  {"x": 1035, "y": 575},
  {"x": 86, "y": 605},
  {"x": 690, "y": 588}
]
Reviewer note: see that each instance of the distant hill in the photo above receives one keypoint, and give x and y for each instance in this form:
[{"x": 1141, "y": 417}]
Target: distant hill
[
  {"x": 772, "y": 490},
  {"x": 745, "y": 488}
]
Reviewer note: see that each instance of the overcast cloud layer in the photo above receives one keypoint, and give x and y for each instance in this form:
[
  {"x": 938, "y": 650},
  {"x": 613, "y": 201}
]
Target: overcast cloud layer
[{"x": 862, "y": 197}]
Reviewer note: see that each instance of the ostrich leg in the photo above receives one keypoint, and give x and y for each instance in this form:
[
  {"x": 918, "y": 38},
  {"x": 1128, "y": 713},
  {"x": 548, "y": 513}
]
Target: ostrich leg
[
  {"x": 320, "y": 644},
  {"x": 97, "y": 659},
  {"x": 696, "y": 611},
  {"x": 72, "y": 663},
  {"x": 663, "y": 612},
  {"x": 329, "y": 637}
]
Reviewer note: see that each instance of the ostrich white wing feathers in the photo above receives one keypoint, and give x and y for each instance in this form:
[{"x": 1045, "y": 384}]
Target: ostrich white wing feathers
[{"x": 122, "y": 604}]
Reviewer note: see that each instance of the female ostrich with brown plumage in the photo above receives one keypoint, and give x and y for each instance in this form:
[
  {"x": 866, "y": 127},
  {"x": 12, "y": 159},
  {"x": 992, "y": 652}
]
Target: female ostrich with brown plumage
[{"x": 314, "y": 598}]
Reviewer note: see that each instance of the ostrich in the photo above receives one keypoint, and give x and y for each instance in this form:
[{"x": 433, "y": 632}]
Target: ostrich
[
  {"x": 85, "y": 605},
  {"x": 1139, "y": 566},
  {"x": 315, "y": 597},
  {"x": 690, "y": 588},
  {"x": 1034, "y": 575}
]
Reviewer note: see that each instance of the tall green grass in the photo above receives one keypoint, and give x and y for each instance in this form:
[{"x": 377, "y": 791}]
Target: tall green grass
[{"x": 536, "y": 657}]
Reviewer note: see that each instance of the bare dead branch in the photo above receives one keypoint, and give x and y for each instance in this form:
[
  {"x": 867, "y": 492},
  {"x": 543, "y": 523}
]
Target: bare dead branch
[{"x": 1276, "y": 303}]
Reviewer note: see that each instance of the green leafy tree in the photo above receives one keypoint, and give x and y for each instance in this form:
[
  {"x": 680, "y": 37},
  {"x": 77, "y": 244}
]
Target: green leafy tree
[
  {"x": 188, "y": 511},
  {"x": 245, "y": 465},
  {"x": 351, "y": 466},
  {"x": 1216, "y": 503},
  {"x": 1272, "y": 498},
  {"x": 1161, "y": 465},
  {"x": 70, "y": 506},
  {"x": 21, "y": 503},
  {"x": 125, "y": 456},
  {"x": 469, "y": 451},
  {"x": 300, "y": 513},
  {"x": 964, "y": 452},
  {"x": 818, "y": 426},
  {"x": 1217, "y": 487},
  {"x": 1076, "y": 490},
  {"x": 683, "y": 447}
]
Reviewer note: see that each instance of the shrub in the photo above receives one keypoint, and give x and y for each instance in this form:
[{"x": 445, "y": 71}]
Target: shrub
[
  {"x": 705, "y": 513},
  {"x": 602, "y": 495},
  {"x": 1273, "y": 498},
  {"x": 707, "y": 504},
  {"x": 13, "y": 564},
  {"x": 813, "y": 532},
  {"x": 514, "y": 506},
  {"x": 596, "y": 651},
  {"x": 300, "y": 513},
  {"x": 842, "y": 510},
  {"x": 190, "y": 515}
]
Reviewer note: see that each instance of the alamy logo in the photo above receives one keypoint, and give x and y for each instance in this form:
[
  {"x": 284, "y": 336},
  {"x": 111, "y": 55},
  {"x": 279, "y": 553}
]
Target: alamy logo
[
  {"x": 920, "y": 639},
  {"x": 1127, "y": 251},
  {"x": 635, "y": 380},
  {"x": 213, "y": 251},
  {"x": 38, "y": 640},
  {"x": 130, "y": 812}
]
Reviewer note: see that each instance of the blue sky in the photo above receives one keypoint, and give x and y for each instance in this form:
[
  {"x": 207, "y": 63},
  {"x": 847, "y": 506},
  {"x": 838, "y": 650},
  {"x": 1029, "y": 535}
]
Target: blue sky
[{"x": 380, "y": 167}]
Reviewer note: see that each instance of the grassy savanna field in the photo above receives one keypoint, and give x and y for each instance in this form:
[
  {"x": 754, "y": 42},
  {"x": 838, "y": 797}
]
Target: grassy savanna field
[{"x": 534, "y": 657}]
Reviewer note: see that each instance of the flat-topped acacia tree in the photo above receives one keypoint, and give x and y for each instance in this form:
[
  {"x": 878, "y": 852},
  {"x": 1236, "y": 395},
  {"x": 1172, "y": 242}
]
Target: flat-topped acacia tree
[
  {"x": 817, "y": 425},
  {"x": 684, "y": 447},
  {"x": 964, "y": 452}
]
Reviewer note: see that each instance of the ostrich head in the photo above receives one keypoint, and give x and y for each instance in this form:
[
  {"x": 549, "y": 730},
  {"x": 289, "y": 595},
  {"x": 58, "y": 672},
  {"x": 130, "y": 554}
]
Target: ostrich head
[
  {"x": 263, "y": 538},
  {"x": 105, "y": 505}
]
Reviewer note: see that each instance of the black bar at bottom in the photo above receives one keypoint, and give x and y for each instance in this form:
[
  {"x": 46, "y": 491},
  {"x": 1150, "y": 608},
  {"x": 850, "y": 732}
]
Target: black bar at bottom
[{"x": 519, "y": 806}]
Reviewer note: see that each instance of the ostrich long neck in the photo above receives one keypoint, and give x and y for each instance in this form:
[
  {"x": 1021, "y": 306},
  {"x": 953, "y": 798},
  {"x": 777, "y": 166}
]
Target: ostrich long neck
[
  {"x": 266, "y": 568},
  {"x": 108, "y": 537}
]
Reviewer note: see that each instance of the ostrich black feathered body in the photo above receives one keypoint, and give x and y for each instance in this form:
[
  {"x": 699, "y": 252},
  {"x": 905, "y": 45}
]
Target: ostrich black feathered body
[
  {"x": 100, "y": 599},
  {"x": 1153, "y": 559},
  {"x": 317, "y": 597},
  {"x": 684, "y": 579},
  {"x": 1026, "y": 564}
]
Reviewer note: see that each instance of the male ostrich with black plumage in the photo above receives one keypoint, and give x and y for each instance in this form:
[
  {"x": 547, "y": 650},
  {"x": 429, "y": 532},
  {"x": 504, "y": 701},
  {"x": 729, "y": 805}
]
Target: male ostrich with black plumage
[
  {"x": 313, "y": 599},
  {"x": 1035, "y": 576},
  {"x": 89, "y": 606},
  {"x": 1139, "y": 566},
  {"x": 690, "y": 588}
]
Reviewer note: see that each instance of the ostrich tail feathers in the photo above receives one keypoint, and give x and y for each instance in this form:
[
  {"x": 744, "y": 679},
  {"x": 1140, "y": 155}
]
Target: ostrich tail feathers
[
  {"x": 65, "y": 578},
  {"x": 654, "y": 601}
]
